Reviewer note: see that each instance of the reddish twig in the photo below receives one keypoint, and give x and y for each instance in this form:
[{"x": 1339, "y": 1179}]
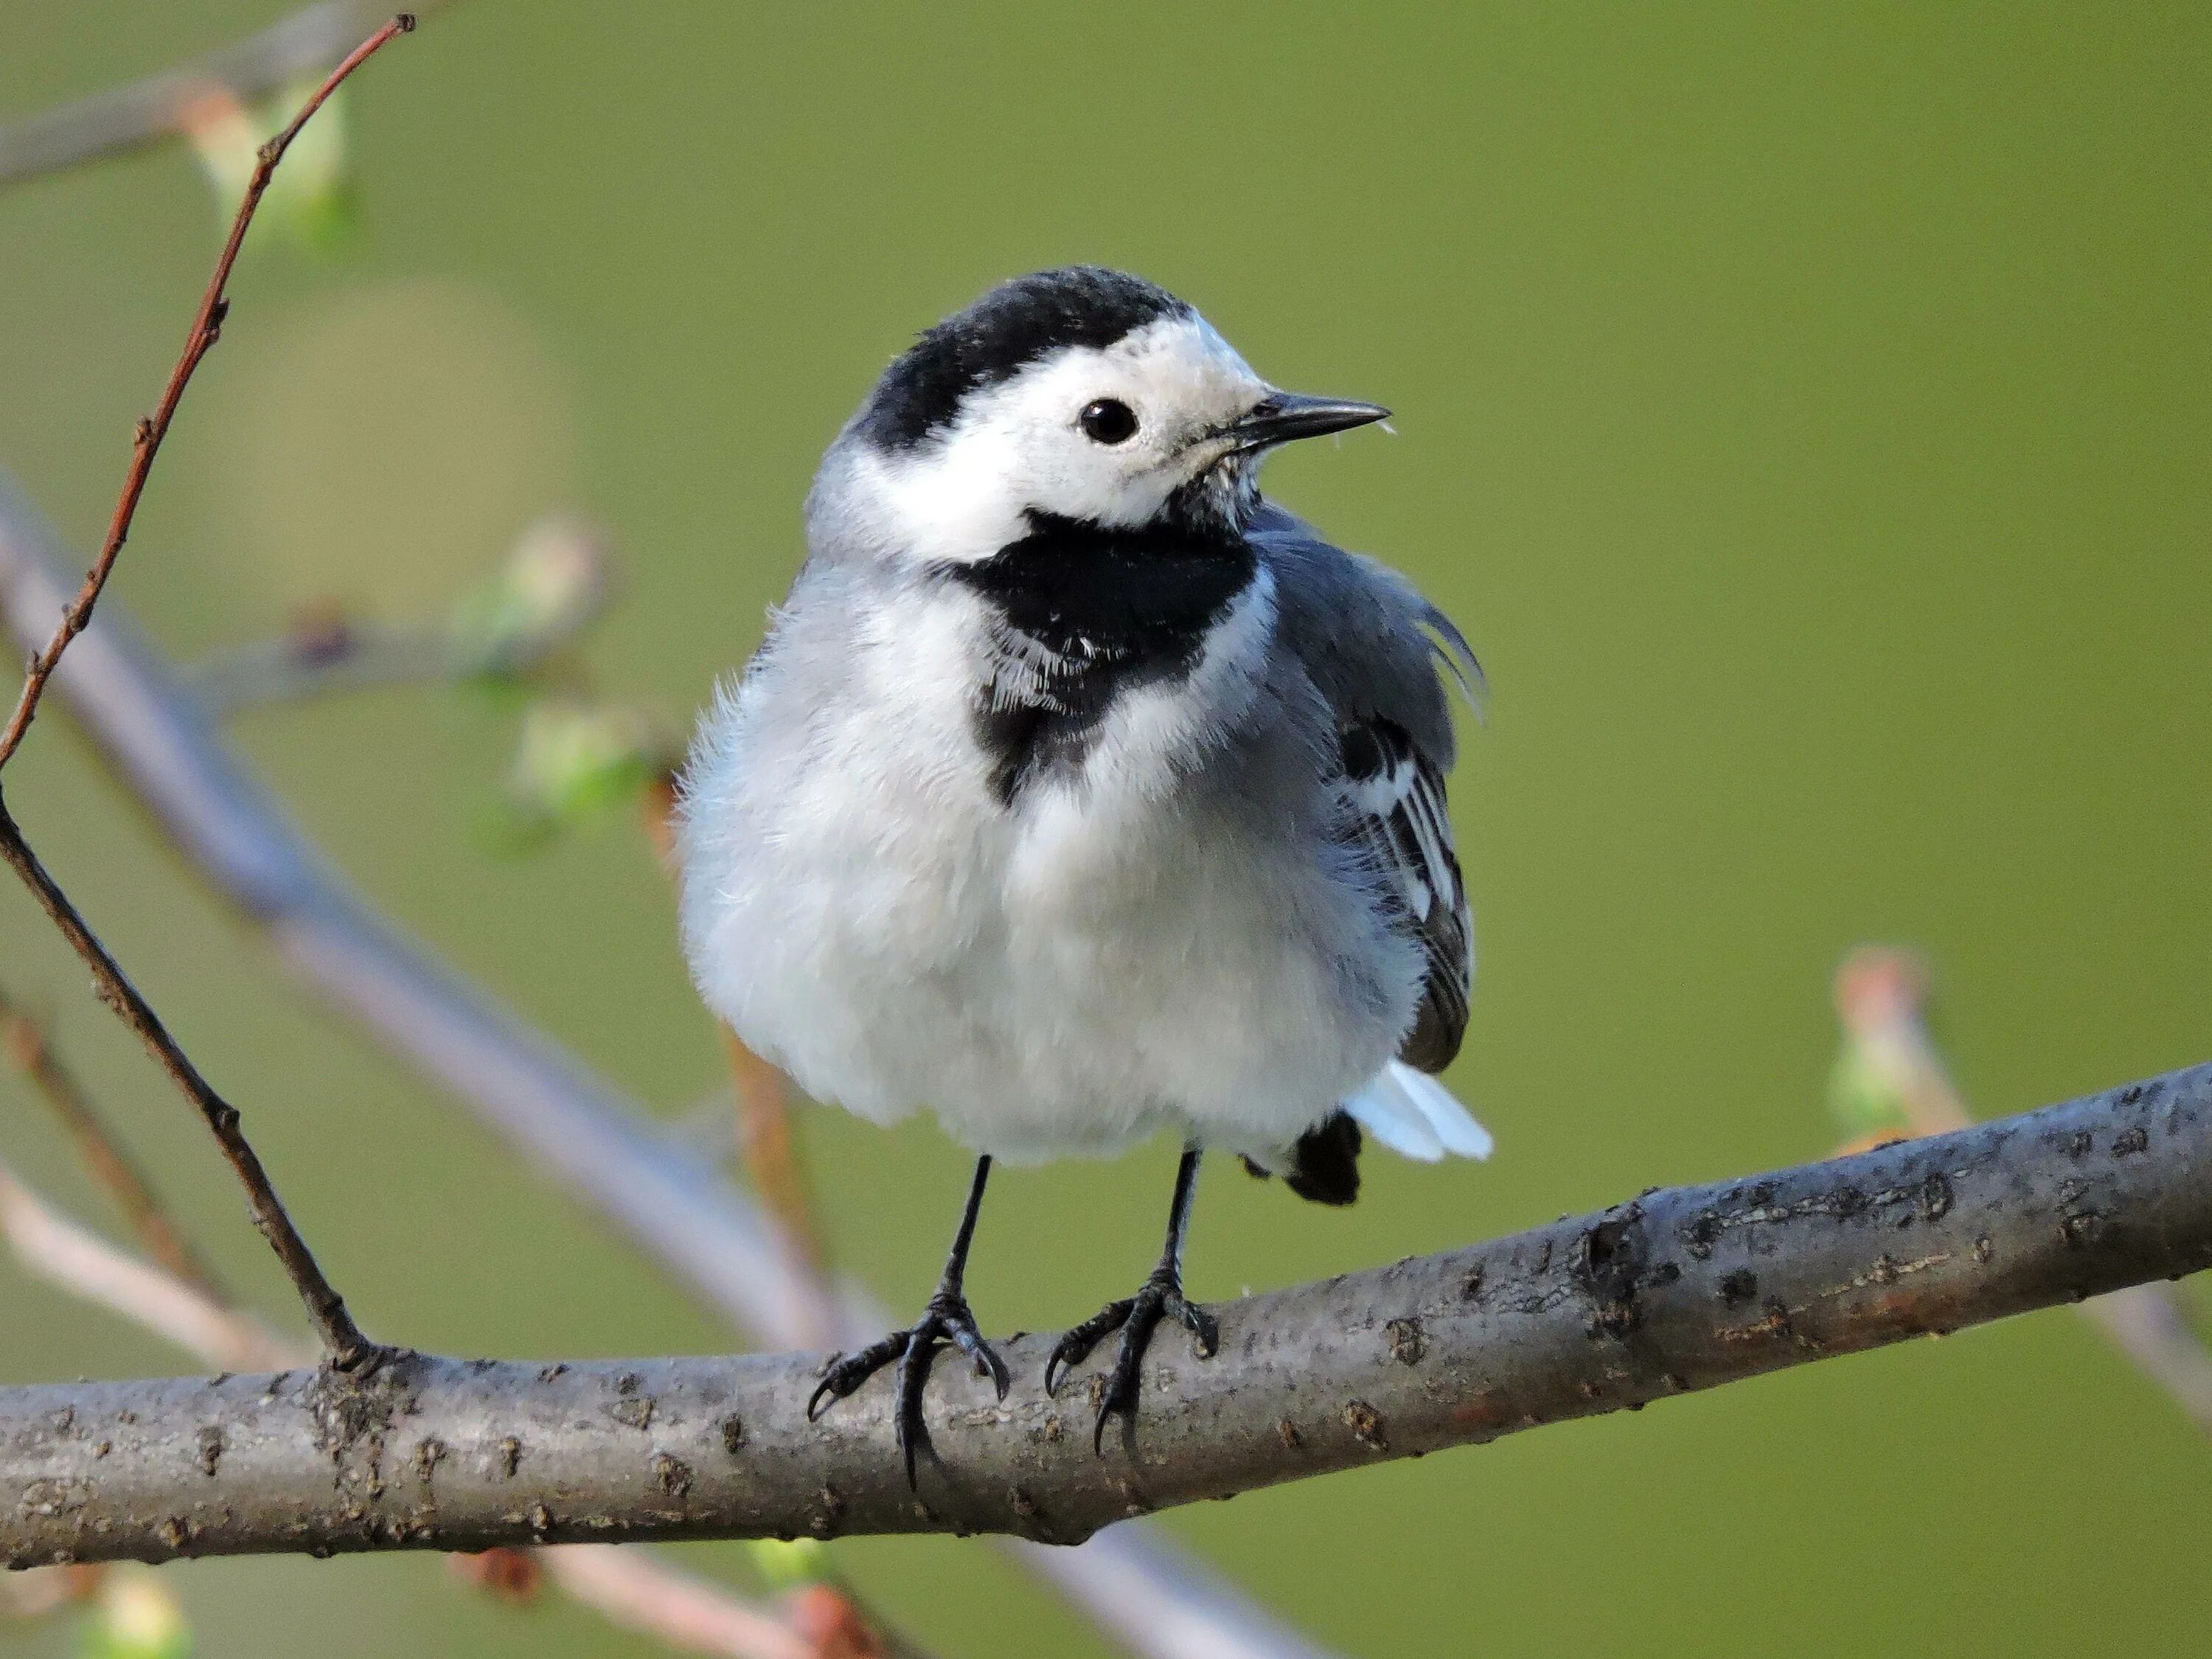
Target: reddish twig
[
  {"x": 24, "y": 1042},
  {"x": 206, "y": 329},
  {"x": 43, "y": 1591}
]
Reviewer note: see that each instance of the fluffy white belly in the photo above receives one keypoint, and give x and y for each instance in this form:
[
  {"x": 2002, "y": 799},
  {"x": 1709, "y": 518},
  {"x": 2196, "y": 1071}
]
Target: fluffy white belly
[{"x": 1067, "y": 975}]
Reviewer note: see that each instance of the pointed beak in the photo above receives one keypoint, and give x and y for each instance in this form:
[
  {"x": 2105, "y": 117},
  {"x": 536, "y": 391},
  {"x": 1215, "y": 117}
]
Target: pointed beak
[{"x": 1282, "y": 416}]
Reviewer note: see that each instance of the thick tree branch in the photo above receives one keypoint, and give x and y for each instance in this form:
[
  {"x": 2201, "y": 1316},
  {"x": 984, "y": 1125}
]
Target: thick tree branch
[
  {"x": 1680, "y": 1289},
  {"x": 576, "y": 1127}
]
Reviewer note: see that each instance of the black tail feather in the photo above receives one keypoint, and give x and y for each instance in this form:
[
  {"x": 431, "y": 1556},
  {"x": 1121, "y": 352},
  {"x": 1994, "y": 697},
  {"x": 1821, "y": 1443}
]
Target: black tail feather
[{"x": 1325, "y": 1165}]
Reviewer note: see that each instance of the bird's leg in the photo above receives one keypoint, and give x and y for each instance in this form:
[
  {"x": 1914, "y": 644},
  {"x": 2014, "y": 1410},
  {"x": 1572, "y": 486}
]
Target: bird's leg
[
  {"x": 946, "y": 1319},
  {"x": 1160, "y": 1298}
]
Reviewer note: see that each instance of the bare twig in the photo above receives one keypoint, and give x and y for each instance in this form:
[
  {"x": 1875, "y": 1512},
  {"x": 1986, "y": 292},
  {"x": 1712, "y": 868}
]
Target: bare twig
[
  {"x": 1882, "y": 998},
  {"x": 159, "y": 107},
  {"x": 341, "y": 1337},
  {"x": 207, "y": 328},
  {"x": 629, "y": 1587},
  {"x": 24, "y": 1041},
  {"x": 572, "y": 1124},
  {"x": 346, "y": 1347},
  {"x": 1680, "y": 1289}
]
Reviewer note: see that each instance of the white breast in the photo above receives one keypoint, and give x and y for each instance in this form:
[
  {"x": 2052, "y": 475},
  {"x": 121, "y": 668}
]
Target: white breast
[{"x": 1110, "y": 955}]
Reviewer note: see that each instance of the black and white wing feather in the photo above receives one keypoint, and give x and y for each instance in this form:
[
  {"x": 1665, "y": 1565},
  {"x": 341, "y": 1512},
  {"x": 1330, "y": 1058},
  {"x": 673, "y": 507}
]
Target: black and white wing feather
[
  {"x": 1396, "y": 799},
  {"x": 1381, "y": 656}
]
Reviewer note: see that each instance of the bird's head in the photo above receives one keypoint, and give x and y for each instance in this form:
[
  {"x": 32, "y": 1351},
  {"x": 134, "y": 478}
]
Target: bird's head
[{"x": 1082, "y": 394}]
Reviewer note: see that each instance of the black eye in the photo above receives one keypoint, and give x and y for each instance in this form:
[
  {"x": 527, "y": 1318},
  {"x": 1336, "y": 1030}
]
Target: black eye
[{"x": 1108, "y": 420}]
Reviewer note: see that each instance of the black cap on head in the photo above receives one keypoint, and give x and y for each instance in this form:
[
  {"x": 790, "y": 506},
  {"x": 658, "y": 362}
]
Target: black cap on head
[{"x": 1012, "y": 327}]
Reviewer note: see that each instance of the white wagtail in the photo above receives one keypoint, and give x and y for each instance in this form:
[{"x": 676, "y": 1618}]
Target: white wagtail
[{"x": 1079, "y": 792}]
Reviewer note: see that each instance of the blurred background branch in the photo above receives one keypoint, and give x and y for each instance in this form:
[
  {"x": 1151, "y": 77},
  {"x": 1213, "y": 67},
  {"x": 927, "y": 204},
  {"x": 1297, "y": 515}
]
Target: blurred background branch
[
  {"x": 1891, "y": 1079},
  {"x": 163, "y": 106},
  {"x": 553, "y": 585},
  {"x": 24, "y": 1041}
]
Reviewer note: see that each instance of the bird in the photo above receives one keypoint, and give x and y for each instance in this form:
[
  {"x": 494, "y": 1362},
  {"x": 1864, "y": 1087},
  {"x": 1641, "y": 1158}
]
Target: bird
[{"x": 1077, "y": 792}]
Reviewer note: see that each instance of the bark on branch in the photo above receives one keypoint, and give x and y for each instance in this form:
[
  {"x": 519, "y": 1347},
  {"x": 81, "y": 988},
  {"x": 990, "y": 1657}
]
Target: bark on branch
[{"x": 1682, "y": 1288}]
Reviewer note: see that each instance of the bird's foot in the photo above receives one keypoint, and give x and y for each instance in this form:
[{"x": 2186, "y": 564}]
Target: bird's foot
[
  {"x": 946, "y": 1319},
  {"x": 1135, "y": 1317}
]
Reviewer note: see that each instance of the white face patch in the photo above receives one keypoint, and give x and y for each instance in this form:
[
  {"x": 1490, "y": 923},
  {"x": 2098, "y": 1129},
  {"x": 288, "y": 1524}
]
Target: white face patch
[{"x": 1019, "y": 447}]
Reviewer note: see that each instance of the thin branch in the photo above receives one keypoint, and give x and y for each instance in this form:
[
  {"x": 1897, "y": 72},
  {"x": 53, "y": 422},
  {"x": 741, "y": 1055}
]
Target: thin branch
[
  {"x": 1882, "y": 998},
  {"x": 632, "y": 1589},
  {"x": 341, "y": 1337},
  {"x": 573, "y": 1125},
  {"x": 158, "y": 107},
  {"x": 207, "y": 328},
  {"x": 105, "y": 1158},
  {"x": 346, "y": 1347},
  {"x": 1680, "y": 1289}
]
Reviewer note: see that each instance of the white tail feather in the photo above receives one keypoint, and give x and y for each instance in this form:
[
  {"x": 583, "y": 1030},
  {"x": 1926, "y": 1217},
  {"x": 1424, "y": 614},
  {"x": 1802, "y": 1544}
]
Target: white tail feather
[{"x": 1415, "y": 1116}]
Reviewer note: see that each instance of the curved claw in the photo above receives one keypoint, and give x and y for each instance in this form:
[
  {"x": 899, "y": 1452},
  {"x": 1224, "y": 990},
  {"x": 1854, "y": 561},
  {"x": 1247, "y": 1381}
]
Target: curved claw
[
  {"x": 987, "y": 1362},
  {"x": 847, "y": 1372},
  {"x": 1204, "y": 1331},
  {"x": 946, "y": 1319},
  {"x": 1136, "y": 1318},
  {"x": 1073, "y": 1349}
]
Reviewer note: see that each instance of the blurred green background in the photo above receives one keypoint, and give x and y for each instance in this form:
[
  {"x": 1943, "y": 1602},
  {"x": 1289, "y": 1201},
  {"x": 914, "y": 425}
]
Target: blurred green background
[{"x": 1805, "y": 413}]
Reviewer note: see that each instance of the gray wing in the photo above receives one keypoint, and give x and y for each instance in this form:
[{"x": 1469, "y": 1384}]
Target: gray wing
[{"x": 1372, "y": 646}]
